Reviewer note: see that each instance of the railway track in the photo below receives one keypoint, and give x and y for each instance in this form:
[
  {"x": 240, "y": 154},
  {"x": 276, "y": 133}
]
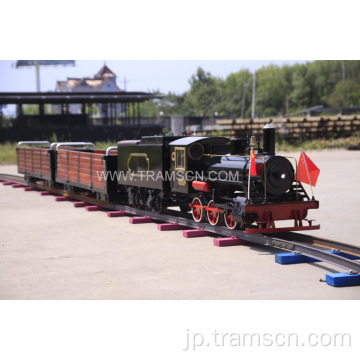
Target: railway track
[{"x": 307, "y": 245}]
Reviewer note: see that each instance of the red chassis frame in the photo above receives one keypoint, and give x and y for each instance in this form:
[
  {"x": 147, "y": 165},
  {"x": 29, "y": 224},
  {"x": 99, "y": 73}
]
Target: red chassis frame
[{"x": 269, "y": 213}]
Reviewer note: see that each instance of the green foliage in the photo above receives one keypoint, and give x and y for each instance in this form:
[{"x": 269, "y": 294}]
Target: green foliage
[
  {"x": 172, "y": 104},
  {"x": 231, "y": 93},
  {"x": 299, "y": 94},
  {"x": 345, "y": 93},
  {"x": 202, "y": 97},
  {"x": 53, "y": 138},
  {"x": 278, "y": 90},
  {"x": 30, "y": 109},
  {"x": 103, "y": 145},
  {"x": 33, "y": 109}
]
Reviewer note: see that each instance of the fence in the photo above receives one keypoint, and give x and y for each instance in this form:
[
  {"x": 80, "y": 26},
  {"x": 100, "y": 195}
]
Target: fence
[
  {"x": 78, "y": 133},
  {"x": 291, "y": 129}
]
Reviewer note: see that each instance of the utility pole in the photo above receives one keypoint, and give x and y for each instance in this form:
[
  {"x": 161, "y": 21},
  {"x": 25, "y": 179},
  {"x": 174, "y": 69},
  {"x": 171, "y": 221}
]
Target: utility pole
[
  {"x": 37, "y": 68},
  {"x": 243, "y": 99},
  {"x": 125, "y": 104},
  {"x": 253, "y": 97},
  {"x": 344, "y": 79},
  {"x": 287, "y": 104}
]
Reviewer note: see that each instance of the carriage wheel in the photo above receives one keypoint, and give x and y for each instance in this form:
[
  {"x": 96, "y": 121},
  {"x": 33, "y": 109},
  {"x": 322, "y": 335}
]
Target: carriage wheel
[
  {"x": 197, "y": 213},
  {"x": 159, "y": 204},
  {"x": 137, "y": 200},
  {"x": 230, "y": 222},
  {"x": 213, "y": 216}
]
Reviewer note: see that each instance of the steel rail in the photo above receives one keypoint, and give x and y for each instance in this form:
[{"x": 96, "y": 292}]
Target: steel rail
[
  {"x": 317, "y": 241},
  {"x": 173, "y": 217},
  {"x": 17, "y": 178}
]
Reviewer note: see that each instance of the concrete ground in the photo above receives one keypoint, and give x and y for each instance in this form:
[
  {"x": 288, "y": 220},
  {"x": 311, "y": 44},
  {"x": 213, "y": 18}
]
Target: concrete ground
[{"x": 51, "y": 250}]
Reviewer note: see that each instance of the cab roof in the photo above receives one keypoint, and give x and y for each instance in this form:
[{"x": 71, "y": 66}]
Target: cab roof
[{"x": 185, "y": 141}]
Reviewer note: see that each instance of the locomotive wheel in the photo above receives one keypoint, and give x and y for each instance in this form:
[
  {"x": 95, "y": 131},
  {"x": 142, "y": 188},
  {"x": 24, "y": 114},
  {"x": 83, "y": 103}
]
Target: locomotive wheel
[
  {"x": 213, "y": 216},
  {"x": 230, "y": 222},
  {"x": 198, "y": 214}
]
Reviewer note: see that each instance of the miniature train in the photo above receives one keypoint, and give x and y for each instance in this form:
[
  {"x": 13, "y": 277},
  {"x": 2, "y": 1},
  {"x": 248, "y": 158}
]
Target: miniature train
[{"x": 206, "y": 176}]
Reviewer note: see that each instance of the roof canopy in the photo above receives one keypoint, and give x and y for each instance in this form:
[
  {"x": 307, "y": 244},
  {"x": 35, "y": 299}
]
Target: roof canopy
[{"x": 78, "y": 97}]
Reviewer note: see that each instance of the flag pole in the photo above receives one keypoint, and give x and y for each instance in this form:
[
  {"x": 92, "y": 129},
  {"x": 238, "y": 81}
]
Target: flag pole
[
  {"x": 252, "y": 144},
  {"x": 251, "y": 149},
  {"x": 307, "y": 170}
]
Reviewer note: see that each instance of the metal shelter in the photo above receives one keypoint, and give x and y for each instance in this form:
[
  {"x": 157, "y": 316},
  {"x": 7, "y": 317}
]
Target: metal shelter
[{"x": 130, "y": 114}]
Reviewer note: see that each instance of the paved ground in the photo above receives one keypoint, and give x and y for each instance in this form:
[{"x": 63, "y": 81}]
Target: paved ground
[{"x": 51, "y": 250}]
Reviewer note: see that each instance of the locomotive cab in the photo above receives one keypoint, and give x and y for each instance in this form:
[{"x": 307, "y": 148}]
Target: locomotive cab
[{"x": 186, "y": 159}]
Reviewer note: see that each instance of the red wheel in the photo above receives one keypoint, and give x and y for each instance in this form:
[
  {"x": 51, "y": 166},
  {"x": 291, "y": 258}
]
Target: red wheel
[
  {"x": 230, "y": 222},
  {"x": 213, "y": 216},
  {"x": 198, "y": 214}
]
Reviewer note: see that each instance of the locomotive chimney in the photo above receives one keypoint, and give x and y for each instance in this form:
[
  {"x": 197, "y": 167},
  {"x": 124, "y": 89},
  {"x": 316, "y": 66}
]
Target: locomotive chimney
[{"x": 269, "y": 139}]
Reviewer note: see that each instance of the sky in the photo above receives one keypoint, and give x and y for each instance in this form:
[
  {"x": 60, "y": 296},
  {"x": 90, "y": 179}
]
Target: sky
[{"x": 140, "y": 75}]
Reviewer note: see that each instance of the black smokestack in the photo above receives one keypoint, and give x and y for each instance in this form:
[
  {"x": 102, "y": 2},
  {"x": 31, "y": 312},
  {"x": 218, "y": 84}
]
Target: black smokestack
[{"x": 269, "y": 139}]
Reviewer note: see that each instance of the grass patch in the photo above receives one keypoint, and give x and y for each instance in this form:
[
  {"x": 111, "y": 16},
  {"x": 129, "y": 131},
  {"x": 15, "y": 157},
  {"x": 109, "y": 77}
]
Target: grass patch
[
  {"x": 103, "y": 145},
  {"x": 318, "y": 144},
  {"x": 8, "y": 153}
]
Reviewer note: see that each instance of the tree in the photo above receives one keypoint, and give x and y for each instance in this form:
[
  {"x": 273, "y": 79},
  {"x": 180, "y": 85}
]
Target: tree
[
  {"x": 231, "y": 92},
  {"x": 201, "y": 98},
  {"x": 299, "y": 97},
  {"x": 345, "y": 94},
  {"x": 270, "y": 90},
  {"x": 278, "y": 89}
]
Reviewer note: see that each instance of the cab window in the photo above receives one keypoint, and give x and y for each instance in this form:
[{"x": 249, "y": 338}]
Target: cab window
[{"x": 180, "y": 159}]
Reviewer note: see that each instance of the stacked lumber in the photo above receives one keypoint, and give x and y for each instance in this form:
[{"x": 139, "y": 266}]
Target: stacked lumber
[{"x": 291, "y": 128}]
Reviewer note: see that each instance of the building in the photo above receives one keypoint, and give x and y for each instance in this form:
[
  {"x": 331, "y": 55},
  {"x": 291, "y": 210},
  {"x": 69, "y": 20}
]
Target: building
[{"x": 103, "y": 81}]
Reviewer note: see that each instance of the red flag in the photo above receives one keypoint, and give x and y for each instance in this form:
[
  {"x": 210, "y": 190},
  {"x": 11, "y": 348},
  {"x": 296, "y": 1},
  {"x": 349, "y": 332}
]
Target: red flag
[
  {"x": 252, "y": 164},
  {"x": 303, "y": 174}
]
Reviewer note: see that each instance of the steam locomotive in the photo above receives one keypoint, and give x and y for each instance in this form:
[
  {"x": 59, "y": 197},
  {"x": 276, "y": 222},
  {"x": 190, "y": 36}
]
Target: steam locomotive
[{"x": 205, "y": 176}]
